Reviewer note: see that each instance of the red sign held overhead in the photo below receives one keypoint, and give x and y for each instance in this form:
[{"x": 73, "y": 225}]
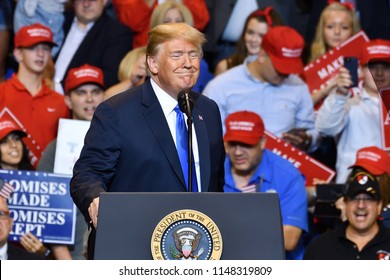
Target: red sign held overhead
[
  {"x": 314, "y": 171},
  {"x": 320, "y": 71},
  {"x": 385, "y": 117}
]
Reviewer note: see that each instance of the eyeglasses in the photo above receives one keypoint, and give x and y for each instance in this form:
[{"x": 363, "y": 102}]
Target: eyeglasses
[{"x": 4, "y": 215}]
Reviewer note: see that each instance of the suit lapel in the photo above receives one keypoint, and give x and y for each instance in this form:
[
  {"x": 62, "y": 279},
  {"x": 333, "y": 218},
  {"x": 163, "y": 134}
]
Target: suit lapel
[
  {"x": 203, "y": 147},
  {"x": 157, "y": 122}
]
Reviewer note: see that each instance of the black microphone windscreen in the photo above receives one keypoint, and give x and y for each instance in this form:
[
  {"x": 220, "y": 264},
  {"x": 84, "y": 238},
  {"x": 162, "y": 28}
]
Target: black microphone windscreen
[{"x": 184, "y": 100}]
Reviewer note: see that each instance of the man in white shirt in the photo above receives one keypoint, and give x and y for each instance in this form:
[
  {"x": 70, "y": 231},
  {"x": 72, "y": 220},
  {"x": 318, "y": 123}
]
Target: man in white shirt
[
  {"x": 9, "y": 251},
  {"x": 92, "y": 37}
]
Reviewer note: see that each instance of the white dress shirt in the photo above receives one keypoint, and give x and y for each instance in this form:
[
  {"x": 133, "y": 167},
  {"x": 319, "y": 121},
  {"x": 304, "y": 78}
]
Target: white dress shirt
[
  {"x": 168, "y": 105},
  {"x": 3, "y": 252},
  {"x": 72, "y": 42}
]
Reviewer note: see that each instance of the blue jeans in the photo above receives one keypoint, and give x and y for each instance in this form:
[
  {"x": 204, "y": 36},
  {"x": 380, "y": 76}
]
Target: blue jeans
[{"x": 5, "y": 15}]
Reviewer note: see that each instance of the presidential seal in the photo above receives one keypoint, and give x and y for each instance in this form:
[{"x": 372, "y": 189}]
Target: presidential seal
[{"x": 186, "y": 235}]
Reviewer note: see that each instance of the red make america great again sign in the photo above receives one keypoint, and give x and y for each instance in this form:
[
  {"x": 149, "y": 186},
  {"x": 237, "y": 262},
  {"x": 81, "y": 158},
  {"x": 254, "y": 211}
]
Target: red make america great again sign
[
  {"x": 314, "y": 171},
  {"x": 320, "y": 71},
  {"x": 385, "y": 117}
]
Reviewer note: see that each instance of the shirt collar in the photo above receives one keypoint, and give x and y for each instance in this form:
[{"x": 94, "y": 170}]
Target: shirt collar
[
  {"x": 167, "y": 102},
  {"x": 3, "y": 252},
  {"x": 20, "y": 87},
  {"x": 77, "y": 26}
]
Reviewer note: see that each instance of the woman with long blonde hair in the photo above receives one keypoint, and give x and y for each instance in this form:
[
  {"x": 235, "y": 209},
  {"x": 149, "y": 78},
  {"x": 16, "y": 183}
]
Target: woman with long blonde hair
[{"x": 338, "y": 22}]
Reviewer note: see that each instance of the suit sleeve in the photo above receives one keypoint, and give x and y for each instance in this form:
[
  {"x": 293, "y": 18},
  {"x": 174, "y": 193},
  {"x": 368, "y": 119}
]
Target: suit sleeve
[{"x": 94, "y": 170}]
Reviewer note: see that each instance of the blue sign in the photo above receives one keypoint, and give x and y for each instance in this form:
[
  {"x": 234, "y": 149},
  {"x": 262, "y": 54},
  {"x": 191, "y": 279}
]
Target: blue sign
[{"x": 41, "y": 204}]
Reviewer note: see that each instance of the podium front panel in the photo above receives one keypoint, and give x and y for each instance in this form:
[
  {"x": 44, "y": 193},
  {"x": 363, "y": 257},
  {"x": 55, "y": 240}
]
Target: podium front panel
[{"x": 250, "y": 224}]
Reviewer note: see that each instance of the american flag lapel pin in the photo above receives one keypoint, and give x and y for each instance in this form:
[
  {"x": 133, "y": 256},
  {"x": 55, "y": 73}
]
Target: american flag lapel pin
[{"x": 200, "y": 117}]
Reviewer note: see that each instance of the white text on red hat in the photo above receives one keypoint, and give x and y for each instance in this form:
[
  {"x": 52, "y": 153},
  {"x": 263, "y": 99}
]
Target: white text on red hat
[
  {"x": 241, "y": 125},
  {"x": 379, "y": 49},
  {"x": 38, "y": 32},
  {"x": 369, "y": 155},
  {"x": 86, "y": 73},
  {"x": 291, "y": 52},
  {"x": 6, "y": 124}
]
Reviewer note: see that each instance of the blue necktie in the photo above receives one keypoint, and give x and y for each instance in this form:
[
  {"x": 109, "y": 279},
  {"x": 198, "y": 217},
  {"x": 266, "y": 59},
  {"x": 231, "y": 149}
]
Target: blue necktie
[{"x": 182, "y": 148}]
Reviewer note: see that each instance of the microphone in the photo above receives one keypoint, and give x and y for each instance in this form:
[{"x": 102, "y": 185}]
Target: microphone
[{"x": 185, "y": 103}]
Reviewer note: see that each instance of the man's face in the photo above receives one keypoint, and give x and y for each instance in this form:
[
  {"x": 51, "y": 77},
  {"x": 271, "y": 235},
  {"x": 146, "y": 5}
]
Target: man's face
[
  {"x": 244, "y": 158},
  {"x": 269, "y": 73},
  {"x": 84, "y": 100},
  {"x": 377, "y": 74},
  {"x": 175, "y": 68},
  {"x": 88, "y": 10},
  {"x": 362, "y": 212},
  {"x": 35, "y": 58},
  {"x": 5, "y": 222}
]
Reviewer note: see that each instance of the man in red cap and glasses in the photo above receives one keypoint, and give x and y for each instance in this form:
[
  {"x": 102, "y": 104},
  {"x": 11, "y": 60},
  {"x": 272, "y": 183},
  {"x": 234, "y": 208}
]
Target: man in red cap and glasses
[
  {"x": 249, "y": 167},
  {"x": 377, "y": 162},
  {"x": 26, "y": 95},
  {"x": 271, "y": 87},
  {"x": 361, "y": 236}
]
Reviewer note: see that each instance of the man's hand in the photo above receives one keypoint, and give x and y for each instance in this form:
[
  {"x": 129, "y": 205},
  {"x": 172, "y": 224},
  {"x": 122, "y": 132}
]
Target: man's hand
[
  {"x": 298, "y": 138},
  {"x": 343, "y": 81},
  {"x": 93, "y": 210},
  {"x": 32, "y": 244}
]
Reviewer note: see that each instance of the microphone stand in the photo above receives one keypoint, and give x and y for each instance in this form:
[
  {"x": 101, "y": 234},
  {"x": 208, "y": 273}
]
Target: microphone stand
[
  {"x": 185, "y": 105},
  {"x": 189, "y": 125}
]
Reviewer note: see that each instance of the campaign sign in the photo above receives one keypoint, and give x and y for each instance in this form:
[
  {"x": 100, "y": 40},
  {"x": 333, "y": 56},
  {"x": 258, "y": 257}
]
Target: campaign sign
[
  {"x": 41, "y": 204},
  {"x": 314, "y": 171},
  {"x": 320, "y": 71},
  {"x": 385, "y": 117},
  {"x": 70, "y": 141}
]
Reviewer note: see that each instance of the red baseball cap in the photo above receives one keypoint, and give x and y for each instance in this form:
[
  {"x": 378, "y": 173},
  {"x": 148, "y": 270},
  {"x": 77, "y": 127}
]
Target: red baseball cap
[
  {"x": 31, "y": 35},
  {"x": 376, "y": 50},
  {"x": 244, "y": 127},
  {"x": 373, "y": 159},
  {"x": 284, "y": 46},
  {"x": 85, "y": 74},
  {"x": 8, "y": 126}
]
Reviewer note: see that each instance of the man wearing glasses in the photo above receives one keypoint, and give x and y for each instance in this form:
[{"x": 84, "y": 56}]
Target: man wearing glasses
[
  {"x": 362, "y": 236},
  {"x": 9, "y": 251}
]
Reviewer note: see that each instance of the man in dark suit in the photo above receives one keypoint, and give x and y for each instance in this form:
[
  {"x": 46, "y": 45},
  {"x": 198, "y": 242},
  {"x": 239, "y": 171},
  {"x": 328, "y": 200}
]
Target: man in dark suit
[
  {"x": 92, "y": 37},
  {"x": 9, "y": 251},
  {"x": 131, "y": 146}
]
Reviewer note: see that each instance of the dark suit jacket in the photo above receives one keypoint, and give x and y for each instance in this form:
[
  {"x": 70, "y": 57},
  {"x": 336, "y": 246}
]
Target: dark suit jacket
[
  {"x": 129, "y": 148},
  {"x": 104, "y": 46},
  {"x": 16, "y": 253}
]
